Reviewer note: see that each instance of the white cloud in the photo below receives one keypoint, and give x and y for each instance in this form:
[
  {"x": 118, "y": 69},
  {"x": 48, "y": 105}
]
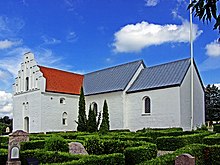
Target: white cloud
[
  {"x": 50, "y": 40},
  {"x": 135, "y": 37},
  {"x": 151, "y": 2},
  {"x": 4, "y": 44},
  {"x": 211, "y": 63},
  {"x": 71, "y": 37},
  {"x": 213, "y": 49},
  {"x": 218, "y": 85},
  {"x": 5, "y": 104}
]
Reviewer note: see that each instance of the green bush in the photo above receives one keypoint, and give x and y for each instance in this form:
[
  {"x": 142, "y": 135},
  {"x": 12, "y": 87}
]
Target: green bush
[
  {"x": 171, "y": 143},
  {"x": 111, "y": 159},
  {"x": 216, "y": 128},
  {"x": 69, "y": 135},
  {"x": 4, "y": 139},
  {"x": 3, "y": 155},
  {"x": 99, "y": 146},
  {"x": 31, "y": 145},
  {"x": 48, "y": 156},
  {"x": 212, "y": 152},
  {"x": 212, "y": 139},
  {"x": 56, "y": 143},
  {"x": 134, "y": 155}
]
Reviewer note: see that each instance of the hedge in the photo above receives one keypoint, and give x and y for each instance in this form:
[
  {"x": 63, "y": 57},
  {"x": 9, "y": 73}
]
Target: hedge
[
  {"x": 203, "y": 154},
  {"x": 31, "y": 145},
  {"x": 171, "y": 143},
  {"x": 48, "y": 156},
  {"x": 216, "y": 128},
  {"x": 3, "y": 155},
  {"x": 134, "y": 155},
  {"x": 101, "y": 146},
  {"x": 212, "y": 139},
  {"x": 110, "y": 159}
]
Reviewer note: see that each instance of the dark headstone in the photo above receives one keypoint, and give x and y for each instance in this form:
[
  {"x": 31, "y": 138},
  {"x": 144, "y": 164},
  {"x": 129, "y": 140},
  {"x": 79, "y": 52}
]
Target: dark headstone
[
  {"x": 77, "y": 148},
  {"x": 185, "y": 159}
]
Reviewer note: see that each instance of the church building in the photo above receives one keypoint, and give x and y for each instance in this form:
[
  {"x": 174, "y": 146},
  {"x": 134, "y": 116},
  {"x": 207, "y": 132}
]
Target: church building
[{"x": 46, "y": 99}]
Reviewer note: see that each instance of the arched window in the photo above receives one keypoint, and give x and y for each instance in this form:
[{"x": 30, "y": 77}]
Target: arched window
[
  {"x": 62, "y": 100},
  {"x": 64, "y": 118},
  {"x": 27, "y": 83},
  {"x": 26, "y": 124},
  {"x": 147, "y": 104},
  {"x": 95, "y": 108}
]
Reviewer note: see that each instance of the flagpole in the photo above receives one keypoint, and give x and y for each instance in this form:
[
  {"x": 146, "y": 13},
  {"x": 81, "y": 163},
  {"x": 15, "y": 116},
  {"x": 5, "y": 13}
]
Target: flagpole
[{"x": 192, "y": 66}]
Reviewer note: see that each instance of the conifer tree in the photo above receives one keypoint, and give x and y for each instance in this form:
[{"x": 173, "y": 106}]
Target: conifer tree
[
  {"x": 104, "y": 127},
  {"x": 91, "y": 120},
  {"x": 82, "y": 121}
]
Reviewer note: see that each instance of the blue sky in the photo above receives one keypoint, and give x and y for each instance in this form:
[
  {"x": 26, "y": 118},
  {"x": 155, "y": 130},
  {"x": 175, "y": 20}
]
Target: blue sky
[{"x": 85, "y": 35}]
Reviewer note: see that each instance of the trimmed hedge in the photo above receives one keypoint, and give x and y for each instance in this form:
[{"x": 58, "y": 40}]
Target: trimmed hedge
[
  {"x": 212, "y": 139},
  {"x": 116, "y": 159},
  {"x": 216, "y": 128},
  {"x": 134, "y": 155},
  {"x": 48, "y": 156},
  {"x": 99, "y": 146},
  {"x": 56, "y": 143},
  {"x": 31, "y": 145},
  {"x": 172, "y": 143},
  {"x": 3, "y": 156}
]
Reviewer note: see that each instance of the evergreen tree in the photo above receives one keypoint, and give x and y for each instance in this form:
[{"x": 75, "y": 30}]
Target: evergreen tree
[
  {"x": 212, "y": 103},
  {"x": 91, "y": 120},
  {"x": 82, "y": 125},
  {"x": 104, "y": 127}
]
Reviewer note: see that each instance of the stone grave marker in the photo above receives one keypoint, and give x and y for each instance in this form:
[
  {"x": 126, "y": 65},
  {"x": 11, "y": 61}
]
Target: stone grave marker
[
  {"x": 185, "y": 159},
  {"x": 77, "y": 148},
  {"x": 14, "y": 146}
]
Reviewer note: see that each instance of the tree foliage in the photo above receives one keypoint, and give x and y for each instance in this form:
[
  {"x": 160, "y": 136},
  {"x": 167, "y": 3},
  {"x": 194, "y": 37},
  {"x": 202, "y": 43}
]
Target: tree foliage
[
  {"x": 205, "y": 10},
  {"x": 82, "y": 121},
  {"x": 104, "y": 127},
  {"x": 92, "y": 127},
  {"x": 212, "y": 103}
]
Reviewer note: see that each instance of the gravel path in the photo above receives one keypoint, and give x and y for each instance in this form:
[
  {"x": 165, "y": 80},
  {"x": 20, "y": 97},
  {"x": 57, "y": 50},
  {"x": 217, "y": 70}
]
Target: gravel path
[{"x": 160, "y": 153}]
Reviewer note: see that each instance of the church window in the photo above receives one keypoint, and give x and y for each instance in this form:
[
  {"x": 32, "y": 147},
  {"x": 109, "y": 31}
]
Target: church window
[
  {"x": 62, "y": 100},
  {"x": 147, "y": 105},
  {"x": 64, "y": 118},
  {"x": 27, "y": 83},
  {"x": 95, "y": 108}
]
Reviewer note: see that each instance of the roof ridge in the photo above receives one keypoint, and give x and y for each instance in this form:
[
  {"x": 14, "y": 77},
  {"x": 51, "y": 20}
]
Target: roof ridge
[
  {"x": 60, "y": 70},
  {"x": 167, "y": 63},
  {"x": 115, "y": 66}
]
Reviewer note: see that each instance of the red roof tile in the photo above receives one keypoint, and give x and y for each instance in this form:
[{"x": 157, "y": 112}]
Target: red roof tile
[{"x": 61, "y": 81}]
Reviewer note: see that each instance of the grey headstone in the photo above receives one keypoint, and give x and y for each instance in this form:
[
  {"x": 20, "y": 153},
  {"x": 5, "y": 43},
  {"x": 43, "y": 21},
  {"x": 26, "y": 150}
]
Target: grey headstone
[
  {"x": 77, "y": 148},
  {"x": 185, "y": 159}
]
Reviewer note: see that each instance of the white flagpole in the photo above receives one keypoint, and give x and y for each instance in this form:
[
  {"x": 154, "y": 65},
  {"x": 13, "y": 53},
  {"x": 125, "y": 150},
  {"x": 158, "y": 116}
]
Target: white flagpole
[{"x": 192, "y": 66}]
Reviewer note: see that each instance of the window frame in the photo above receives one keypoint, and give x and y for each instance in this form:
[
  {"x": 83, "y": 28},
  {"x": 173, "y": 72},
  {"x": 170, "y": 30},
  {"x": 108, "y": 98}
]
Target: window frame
[
  {"x": 64, "y": 118},
  {"x": 147, "y": 107}
]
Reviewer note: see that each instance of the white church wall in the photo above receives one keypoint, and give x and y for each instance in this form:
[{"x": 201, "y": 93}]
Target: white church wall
[
  {"x": 115, "y": 107},
  {"x": 52, "y": 112},
  {"x": 165, "y": 108}
]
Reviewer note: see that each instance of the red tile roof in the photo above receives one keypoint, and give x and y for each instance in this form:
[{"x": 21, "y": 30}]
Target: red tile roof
[{"x": 61, "y": 81}]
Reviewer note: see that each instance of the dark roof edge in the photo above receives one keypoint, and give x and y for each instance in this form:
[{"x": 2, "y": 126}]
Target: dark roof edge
[
  {"x": 104, "y": 92},
  {"x": 154, "y": 88},
  {"x": 115, "y": 66}
]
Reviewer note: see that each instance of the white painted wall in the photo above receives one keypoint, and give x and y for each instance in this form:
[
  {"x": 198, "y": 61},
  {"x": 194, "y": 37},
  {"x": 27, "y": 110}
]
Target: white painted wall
[
  {"x": 165, "y": 109},
  {"x": 52, "y": 111},
  {"x": 115, "y": 107}
]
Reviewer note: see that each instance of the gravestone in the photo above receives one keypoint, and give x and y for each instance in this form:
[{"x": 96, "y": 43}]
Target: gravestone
[
  {"x": 185, "y": 159},
  {"x": 14, "y": 146},
  {"x": 77, "y": 148}
]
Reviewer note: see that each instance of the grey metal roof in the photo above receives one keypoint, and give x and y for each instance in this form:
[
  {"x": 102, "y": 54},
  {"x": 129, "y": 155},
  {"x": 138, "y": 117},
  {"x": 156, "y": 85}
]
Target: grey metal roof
[
  {"x": 110, "y": 79},
  {"x": 159, "y": 76}
]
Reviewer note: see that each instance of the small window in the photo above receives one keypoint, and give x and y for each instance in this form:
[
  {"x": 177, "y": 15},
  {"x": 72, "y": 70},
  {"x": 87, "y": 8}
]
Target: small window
[
  {"x": 27, "y": 83},
  {"x": 147, "y": 105},
  {"x": 62, "y": 100},
  {"x": 64, "y": 118}
]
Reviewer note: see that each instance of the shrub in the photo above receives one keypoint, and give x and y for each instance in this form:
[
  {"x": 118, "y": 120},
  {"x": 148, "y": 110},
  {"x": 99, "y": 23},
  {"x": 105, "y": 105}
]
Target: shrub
[
  {"x": 104, "y": 127},
  {"x": 31, "y": 145},
  {"x": 134, "y": 155},
  {"x": 216, "y": 128},
  {"x": 56, "y": 143},
  {"x": 212, "y": 139},
  {"x": 3, "y": 156},
  {"x": 48, "y": 156},
  {"x": 68, "y": 135}
]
